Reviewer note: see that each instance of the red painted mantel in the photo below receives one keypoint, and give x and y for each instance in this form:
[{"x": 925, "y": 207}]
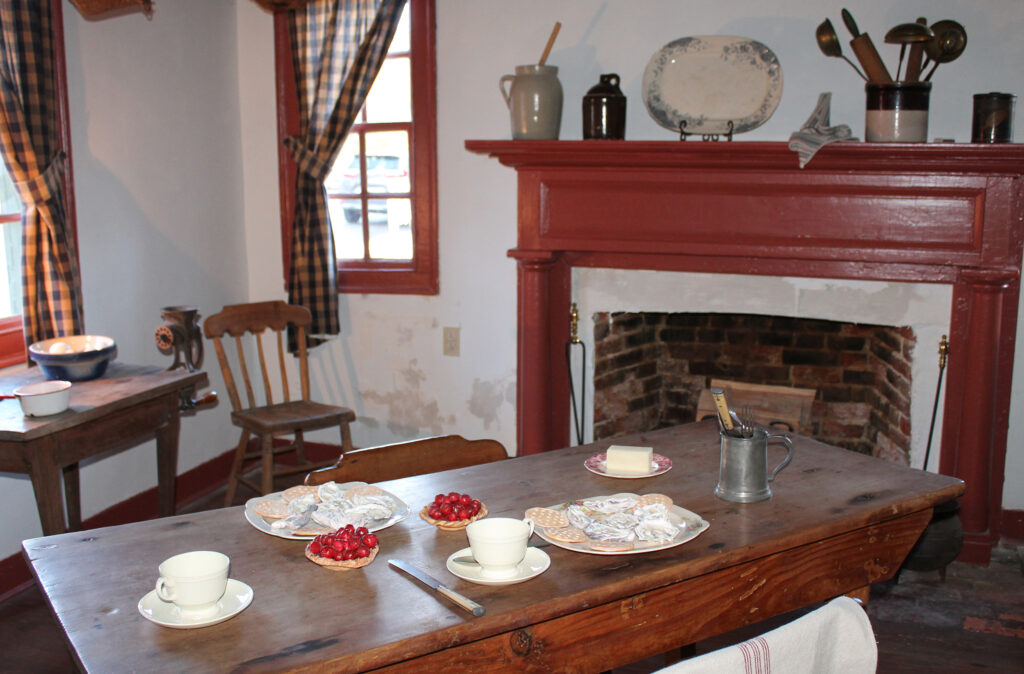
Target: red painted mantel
[{"x": 938, "y": 213}]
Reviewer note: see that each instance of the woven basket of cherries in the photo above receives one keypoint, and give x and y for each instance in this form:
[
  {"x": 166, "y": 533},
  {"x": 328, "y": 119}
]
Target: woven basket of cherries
[
  {"x": 347, "y": 548},
  {"x": 453, "y": 511}
]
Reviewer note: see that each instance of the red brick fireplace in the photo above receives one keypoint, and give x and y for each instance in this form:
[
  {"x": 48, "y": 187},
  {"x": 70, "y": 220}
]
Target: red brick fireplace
[{"x": 938, "y": 213}]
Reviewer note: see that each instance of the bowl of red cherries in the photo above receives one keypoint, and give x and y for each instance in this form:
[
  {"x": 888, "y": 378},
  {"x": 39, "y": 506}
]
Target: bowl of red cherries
[
  {"x": 347, "y": 548},
  {"x": 453, "y": 511}
]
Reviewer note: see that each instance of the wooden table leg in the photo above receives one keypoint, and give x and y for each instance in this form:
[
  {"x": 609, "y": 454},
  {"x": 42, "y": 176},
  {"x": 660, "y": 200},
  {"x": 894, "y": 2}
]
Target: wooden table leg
[
  {"x": 45, "y": 474},
  {"x": 72, "y": 497},
  {"x": 167, "y": 456}
]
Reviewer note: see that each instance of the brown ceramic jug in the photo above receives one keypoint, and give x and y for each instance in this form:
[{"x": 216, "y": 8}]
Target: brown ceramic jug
[{"x": 604, "y": 110}]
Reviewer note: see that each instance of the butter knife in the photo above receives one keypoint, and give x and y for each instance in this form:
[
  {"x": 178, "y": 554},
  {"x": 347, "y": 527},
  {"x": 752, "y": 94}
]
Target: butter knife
[{"x": 434, "y": 584}]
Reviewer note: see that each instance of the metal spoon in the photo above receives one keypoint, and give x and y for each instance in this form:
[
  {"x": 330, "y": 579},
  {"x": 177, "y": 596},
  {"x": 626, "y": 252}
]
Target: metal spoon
[
  {"x": 828, "y": 43},
  {"x": 904, "y": 34},
  {"x": 949, "y": 42}
]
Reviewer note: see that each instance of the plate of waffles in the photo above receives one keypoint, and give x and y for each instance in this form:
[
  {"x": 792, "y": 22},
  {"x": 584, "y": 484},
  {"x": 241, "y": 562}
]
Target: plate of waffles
[
  {"x": 303, "y": 512},
  {"x": 619, "y": 524}
]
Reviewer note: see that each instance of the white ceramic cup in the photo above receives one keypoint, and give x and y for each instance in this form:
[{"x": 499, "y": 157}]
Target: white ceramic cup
[
  {"x": 194, "y": 582},
  {"x": 498, "y": 544}
]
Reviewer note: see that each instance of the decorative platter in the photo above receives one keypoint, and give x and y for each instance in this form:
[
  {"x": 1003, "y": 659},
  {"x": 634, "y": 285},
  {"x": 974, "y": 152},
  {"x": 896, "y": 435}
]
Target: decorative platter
[
  {"x": 709, "y": 80},
  {"x": 690, "y": 526},
  {"x": 313, "y": 529},
  {"x": 598, "y": 463}
]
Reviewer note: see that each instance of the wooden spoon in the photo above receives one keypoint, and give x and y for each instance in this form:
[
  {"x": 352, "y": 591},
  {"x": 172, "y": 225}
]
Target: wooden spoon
[{"x": 551, "y": 42}]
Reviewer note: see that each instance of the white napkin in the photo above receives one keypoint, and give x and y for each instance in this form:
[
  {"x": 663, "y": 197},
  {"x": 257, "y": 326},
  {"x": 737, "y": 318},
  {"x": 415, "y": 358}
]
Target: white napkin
[
  {"x": 834, "y": 639},
  {"x": 816, "y": 132}
]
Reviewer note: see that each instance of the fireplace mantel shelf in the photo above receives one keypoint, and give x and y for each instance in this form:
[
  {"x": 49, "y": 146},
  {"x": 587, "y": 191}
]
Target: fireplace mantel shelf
[{"x": 937, "y": 213}]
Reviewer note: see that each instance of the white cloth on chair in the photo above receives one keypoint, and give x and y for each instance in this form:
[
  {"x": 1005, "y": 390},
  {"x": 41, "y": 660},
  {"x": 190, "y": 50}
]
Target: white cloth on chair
[{"x": 834, "y": 639}]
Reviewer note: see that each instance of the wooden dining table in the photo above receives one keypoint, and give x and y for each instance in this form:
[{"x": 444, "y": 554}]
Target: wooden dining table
[{"x": 837, "y": 522}]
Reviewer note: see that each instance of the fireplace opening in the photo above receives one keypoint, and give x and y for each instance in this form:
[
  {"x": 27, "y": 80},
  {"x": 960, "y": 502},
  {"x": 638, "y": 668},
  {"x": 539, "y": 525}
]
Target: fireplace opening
[{"x": 650, "y": 369}]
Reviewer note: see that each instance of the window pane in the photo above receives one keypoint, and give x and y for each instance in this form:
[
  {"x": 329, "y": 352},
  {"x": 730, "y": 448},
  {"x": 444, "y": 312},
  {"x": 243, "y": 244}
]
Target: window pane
[
  {"x": 390, "y": 229},
  {"x": 387, "y": 162},
  {"x": 10, "y": 261},
  {"x": 347, "y": 225},
  {"x": 390, "y": 99},
  {"x": 344, "y": 176},
  {"x": 400, "y": 43}
]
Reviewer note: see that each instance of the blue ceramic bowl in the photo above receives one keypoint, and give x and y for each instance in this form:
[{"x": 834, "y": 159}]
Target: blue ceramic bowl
[{"x": 74, "y": 358}]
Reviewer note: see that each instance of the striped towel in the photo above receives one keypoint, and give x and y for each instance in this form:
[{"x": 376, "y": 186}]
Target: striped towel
[
  {"x": 834, "y": 639},
  {"x": 816, "y": 132}
]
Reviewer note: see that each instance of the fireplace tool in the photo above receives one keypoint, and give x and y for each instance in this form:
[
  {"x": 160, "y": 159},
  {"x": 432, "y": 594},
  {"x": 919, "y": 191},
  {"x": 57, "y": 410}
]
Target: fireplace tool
[
  {"x": 574, "y": 340},
  {"x": 943, "y": 538}
]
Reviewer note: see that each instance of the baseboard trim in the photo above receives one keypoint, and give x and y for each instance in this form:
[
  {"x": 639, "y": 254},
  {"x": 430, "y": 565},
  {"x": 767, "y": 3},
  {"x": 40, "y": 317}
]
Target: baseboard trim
[
  {"x": 1012, "y": 524},
  {"x": 192, "y": 485}
]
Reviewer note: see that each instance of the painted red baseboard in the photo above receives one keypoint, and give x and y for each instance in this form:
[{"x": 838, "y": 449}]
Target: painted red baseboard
[
  {"x": 1013, "y": 525},
  {"x": 191, "y": 486}
]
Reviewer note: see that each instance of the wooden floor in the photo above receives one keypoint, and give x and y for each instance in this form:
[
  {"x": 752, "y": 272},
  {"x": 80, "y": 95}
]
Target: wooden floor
[{"x": 974, "y": 621}]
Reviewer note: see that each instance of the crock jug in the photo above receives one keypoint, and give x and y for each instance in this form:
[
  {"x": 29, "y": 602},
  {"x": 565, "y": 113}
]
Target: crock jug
[{"x": 534, "y": 100}]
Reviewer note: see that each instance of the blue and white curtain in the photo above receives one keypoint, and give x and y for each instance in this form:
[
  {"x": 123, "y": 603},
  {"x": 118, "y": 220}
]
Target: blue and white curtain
[
  {"x": 338, "y": 47},
  {"x": 31, "y": 144}
]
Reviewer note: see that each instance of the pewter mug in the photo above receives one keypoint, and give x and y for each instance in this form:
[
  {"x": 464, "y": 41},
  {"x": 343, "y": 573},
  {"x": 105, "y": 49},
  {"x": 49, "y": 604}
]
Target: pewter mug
[{"x": 743, "y": 472}]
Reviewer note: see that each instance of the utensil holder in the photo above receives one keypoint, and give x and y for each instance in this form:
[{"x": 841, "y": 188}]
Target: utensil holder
[{"x": 897, "y": 112}]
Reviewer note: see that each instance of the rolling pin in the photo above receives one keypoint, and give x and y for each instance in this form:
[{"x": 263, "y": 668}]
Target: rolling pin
[{"x": 864, "y": 50}]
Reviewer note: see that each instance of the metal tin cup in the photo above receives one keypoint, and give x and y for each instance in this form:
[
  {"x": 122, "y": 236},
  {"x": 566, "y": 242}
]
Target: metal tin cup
[
  {"x": 743, "y": 475},
  {"x": 897, "y": 112},
  {"x": 993, "y": 118}
]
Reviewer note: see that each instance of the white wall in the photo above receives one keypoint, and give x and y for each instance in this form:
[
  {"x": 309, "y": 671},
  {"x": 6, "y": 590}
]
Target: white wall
[{"x": 175, "y": 156}]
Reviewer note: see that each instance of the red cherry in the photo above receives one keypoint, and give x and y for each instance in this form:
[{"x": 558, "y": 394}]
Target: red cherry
[
  {"x": 447, "y": 508},
  {"x": 453, "y": 516},
  {"x": 453, "y": 497},
  {"x": 362, "y": 531},
  {"x": 338, "y": 545},
  {"x": 434, "y": 513},
  {"x": 350, "y": 528},
  {"x": 314, "y": 548},
  {"x": 439, "y": 499},
  {"x": 362, "y": 551},
  {"x": 348, "y": 554},
  {"x": 370, "y": 540},
  {"x": 465, "y": 499}
]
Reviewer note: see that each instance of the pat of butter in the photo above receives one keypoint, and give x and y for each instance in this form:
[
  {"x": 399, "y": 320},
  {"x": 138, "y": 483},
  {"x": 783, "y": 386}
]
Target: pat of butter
[{"x": 628, "y": 460}]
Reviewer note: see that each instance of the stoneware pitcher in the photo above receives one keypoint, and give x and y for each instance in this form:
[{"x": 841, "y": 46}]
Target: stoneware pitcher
[
  {"x": 743, "y": 474},
  {"x": 534, "y": 101}
]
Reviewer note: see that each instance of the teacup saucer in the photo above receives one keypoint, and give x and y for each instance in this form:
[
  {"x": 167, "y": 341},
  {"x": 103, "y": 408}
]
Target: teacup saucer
[
  {"x": 534, "y": 563},
  {"x": 236, "y": 598}
]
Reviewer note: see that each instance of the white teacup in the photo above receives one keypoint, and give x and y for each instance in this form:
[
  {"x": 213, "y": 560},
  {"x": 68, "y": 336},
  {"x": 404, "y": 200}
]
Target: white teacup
[
  {"x": 498, "y": 544},
  {"x": 194, "y": 582}
]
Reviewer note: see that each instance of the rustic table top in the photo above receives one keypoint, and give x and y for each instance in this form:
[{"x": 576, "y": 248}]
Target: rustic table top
[
  {"x": 122, "y": 386},
  {"x": 303, "y": 616}
]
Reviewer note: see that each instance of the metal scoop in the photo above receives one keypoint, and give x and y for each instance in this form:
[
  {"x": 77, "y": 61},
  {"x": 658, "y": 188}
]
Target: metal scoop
[
  {"x": 907, "y": 33},
  {"x": 947, "y": 45},
  {"x": 828, "y": 43}
]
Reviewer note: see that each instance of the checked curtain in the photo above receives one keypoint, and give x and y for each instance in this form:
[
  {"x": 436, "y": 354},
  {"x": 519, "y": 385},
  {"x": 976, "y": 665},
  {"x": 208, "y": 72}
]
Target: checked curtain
[
  {"x": 31, "y": 144},
  {"x": 338, "y": 47}
]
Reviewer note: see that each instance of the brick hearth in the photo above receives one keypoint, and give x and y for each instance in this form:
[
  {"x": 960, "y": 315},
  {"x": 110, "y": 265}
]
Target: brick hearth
[{"x": 650, "y": 368}]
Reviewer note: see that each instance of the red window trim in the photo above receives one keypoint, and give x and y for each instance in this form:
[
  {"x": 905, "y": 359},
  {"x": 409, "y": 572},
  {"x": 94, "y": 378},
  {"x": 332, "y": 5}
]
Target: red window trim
[{"x": 419, "y": 276}]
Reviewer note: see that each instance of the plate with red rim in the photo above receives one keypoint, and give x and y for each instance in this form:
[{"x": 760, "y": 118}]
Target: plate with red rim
[{"x": 598, "y": 464}]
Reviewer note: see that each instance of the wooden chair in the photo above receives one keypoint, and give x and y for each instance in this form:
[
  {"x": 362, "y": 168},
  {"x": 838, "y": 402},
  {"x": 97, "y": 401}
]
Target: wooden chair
[
  {"x": 785, "y": 407},
  {"x": 267, "y": 419},
  {"x": 404, "y": 459}
]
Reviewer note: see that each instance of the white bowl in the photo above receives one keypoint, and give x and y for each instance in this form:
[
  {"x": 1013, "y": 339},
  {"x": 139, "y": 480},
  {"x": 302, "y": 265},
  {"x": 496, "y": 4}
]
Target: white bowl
[{"x": 44, "y": 398}]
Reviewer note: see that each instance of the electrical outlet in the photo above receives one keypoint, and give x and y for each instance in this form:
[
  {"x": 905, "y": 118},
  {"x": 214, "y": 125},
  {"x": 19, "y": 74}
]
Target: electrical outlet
[{"x": 451, "y": 341}]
